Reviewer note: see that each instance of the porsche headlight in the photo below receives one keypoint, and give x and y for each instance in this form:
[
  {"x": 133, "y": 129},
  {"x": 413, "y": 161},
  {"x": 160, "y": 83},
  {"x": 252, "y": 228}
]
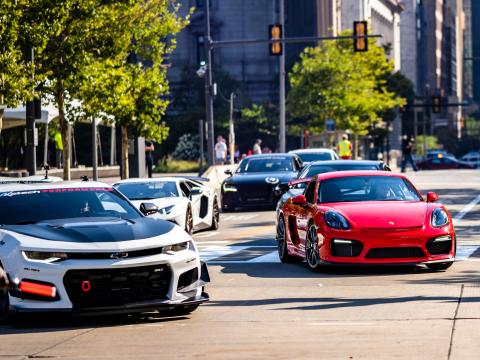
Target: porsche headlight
[
  {"x": 336, "y": 221},
  {"x": 49, "y": 257},
  {"x": 229, "y": 187},
  {"x": 166, "y": 210},
  {"x": 171, "y": 249},
  {"x": 439, "y": 217}
]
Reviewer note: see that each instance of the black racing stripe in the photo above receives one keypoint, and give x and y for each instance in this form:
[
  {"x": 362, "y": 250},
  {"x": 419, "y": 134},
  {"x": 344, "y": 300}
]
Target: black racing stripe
[{"x": 87, "y": 230}]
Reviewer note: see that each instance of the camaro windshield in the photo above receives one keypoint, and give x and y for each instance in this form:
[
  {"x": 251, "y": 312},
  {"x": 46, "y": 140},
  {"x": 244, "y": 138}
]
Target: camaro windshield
[
  {"x": 265, "y": 165},
  {"x": 148, "y": 190},
  {"x": 366, "y": 188},
  {"x": 26, "y": 207},
  {"x": 308, "y": 157}
]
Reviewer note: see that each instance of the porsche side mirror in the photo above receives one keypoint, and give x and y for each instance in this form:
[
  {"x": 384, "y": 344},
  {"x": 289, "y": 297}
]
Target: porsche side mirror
[
  {"x": 228, "y": 172},
  {"x": 148, "y": 209},
  {"x": 432, "y": 197},
  {"x": 299, "y": 200},
  {"x": 196, "y": 191}
]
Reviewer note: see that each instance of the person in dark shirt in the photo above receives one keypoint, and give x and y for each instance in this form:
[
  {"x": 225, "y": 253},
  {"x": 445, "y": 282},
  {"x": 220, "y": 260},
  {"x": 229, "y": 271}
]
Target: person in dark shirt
[
  {"x": 149, "y": 148},
  {"x": 407, "y": 150}
]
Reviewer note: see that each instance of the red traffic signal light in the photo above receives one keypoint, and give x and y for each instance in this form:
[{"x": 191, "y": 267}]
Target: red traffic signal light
[
  {"x": 360, "y": 33},
  {"x": 275, "y": 33},
  {"x": 436, "y": 104}
]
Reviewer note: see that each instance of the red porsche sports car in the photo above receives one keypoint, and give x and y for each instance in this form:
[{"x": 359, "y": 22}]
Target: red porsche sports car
[{"x": 365, "y": 217}]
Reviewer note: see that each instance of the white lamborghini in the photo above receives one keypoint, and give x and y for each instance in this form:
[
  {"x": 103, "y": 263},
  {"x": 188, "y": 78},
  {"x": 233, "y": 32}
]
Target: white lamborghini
[
  {"x": 186, "y": 201},
  {"x": 82, "y": 247}
]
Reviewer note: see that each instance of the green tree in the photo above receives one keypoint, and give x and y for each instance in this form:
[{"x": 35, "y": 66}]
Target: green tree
[{"x": 334, "y": 82}]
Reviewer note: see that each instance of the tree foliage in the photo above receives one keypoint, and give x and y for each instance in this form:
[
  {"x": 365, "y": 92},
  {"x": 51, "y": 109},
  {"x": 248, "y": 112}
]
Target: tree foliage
[{"x": 334, "y": 82}]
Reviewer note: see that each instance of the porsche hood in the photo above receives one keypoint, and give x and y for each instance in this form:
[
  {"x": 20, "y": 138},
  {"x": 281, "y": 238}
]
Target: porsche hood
[{"x": 385, "y": 214}]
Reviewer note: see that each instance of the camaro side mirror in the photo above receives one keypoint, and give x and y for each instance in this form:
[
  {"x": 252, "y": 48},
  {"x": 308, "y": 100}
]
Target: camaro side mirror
[
  {"x": 196, "y": 191},
  {"x": 148, "y": 209},
  {"x": 432, "y": 197},
  {"x": 299, "y": 200},
  {"x": 228, "y": 172}
]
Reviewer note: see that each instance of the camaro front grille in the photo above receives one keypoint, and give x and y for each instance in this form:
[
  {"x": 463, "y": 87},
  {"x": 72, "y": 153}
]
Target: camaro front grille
[
  {"x": 114, "y": 255},
  {"x": 395, "y": 252},
  {"x": 116, "y": 287}
]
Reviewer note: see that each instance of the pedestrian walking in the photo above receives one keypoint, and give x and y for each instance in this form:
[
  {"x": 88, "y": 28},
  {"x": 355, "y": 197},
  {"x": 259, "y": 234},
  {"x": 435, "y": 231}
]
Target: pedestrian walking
[
  {"x": 257, "y": 149},
  {"x": 220, "y": 151},
  {"x": 407, "y": 152},
  {"x": 149, "y": 148},
  {"x": 57, "y": 138},
  {"x": 345, "y": 148}
]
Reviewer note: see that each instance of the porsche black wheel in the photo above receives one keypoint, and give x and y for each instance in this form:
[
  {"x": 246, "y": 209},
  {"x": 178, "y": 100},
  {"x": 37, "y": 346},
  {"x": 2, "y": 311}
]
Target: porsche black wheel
[
  {"x": 312, "y": 254},
  {"x": 440, "y": 266},
  {"x": 282, "y": 247},
  {"x": 215, "y": 215},
  {"x": 189, "y": 221}
]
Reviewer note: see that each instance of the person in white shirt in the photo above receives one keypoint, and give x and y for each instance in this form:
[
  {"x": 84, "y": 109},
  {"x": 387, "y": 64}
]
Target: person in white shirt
[
  {"x": 256, "y": 147},
  {"x": 220, "y": 151}
]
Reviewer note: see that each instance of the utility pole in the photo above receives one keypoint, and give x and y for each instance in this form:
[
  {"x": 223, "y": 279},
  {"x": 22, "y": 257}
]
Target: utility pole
[
  {"x": 424, "y": 122},
  {"x": 282, "y": 80},
  {"x": 209, "y": 86},
  {"x": 30, "y": 124},
  {"x": 94, "y": 149},
  {"x": 201, "y": 129},
  {"x": 231, "y": 134}
]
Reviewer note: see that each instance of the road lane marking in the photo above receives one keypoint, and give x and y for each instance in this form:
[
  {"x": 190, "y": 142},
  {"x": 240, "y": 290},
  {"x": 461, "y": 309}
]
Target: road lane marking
[
  {"x": 206, "y": 235},
  {"x": 466, "y": 210},
  {"x": 237, "y": 217},
  {"x": 465, "y": 251},
  {"x": 271, "y": 257}
]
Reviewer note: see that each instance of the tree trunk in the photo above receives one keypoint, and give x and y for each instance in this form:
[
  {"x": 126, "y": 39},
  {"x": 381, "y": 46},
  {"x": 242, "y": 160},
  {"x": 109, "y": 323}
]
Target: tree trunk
[
  {"x": 66, "y": 129},
  {"x": 1, "y": 113},
  {"x": 124, "y": 132},
  {"x": 355, "y": 147}
]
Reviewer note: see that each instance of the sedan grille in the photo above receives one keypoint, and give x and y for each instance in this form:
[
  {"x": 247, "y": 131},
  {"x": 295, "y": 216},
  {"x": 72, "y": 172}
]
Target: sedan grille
[
  {"x": 116, "y": 287},
  {"x": 391, "y": 253}
]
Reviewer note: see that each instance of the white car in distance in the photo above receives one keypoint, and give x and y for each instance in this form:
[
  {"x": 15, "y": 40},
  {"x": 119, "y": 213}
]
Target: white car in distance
[{"x": 185, "y": 201}]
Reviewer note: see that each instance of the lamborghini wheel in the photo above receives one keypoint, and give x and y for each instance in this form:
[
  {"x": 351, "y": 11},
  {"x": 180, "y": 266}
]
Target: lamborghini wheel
[
  {"x": 215, "y": 215},
  {"x": 189, "y": 221}
]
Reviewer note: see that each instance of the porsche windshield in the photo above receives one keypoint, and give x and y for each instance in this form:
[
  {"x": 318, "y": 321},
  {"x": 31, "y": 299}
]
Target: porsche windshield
[
  {"x": 366, "y": 188},
  {"x": 259, "y": 165},
  {"x": 27, "y": 207},
  {"x": 148, "y": 190}
]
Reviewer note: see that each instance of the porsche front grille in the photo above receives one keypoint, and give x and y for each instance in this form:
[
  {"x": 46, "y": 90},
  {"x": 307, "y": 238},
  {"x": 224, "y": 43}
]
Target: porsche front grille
[{"x": 395, "y": 252}]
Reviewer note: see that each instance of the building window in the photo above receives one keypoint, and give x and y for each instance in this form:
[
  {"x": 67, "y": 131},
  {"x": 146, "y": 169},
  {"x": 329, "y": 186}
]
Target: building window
[{"x": 200, "y": 49}]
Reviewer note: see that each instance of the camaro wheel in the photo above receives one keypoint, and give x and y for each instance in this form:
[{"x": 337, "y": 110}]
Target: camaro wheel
[
  {"x": 282, "y": 247},
  {"x": 440, "y": 266},
  {"x": 215, "y": 215},
  {"x": 189, "y": 221},
  {"x": 311, "y": 249},
  {"x": 6, "y": 316}
]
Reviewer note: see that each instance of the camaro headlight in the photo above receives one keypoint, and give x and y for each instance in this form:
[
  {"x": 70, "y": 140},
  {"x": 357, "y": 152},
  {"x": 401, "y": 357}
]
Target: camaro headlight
[
  {"x": 171, "y": 249},
  {"x": 49, "y": 257},
  {"x": 439, "y": 217},
  {"x": 336, "y": 221},
  {"x": 166, "y": 210},
  {"x": 229, "y": 187}
]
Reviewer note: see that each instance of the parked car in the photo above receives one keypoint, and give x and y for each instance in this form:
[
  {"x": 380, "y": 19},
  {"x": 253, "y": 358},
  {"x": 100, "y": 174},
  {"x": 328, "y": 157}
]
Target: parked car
[
  {"x": 185, "y": 201},
  {"x": 443, "y": 163},
  {"x": 472, "y": 158},
  {"x": 315, "y": 154},
  {"x": 437, "y": 154},
  {"x": 365, "y": 217}
]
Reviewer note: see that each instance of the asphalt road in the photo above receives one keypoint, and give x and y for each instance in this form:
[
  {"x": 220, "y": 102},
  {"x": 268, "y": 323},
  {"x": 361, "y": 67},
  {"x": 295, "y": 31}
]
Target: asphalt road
[{"x": 262, "y": 309}]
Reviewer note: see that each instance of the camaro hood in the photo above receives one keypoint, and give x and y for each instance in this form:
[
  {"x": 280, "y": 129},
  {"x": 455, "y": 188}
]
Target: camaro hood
[
  {"x": 90, "y": 234},
  {"x": 385, "y": 214},
  {"x": 248, "y": 178}
]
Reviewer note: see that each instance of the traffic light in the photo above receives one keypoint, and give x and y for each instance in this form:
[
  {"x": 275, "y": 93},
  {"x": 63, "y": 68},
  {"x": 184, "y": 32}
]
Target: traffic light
[
  {"x": 436, "y": 104},
  {"x": 360, "y": 33},
  {"x": 275, "y": 33}
]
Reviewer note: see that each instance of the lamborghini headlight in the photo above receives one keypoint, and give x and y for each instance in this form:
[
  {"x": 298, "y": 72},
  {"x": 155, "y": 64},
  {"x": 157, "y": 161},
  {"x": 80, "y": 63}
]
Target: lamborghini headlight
[
  {"x": 49, "y": 257},
  {"x": 172, "y": 249},
  {"x": 166, "y": 210},
  {"x": 439, "y": 217}
]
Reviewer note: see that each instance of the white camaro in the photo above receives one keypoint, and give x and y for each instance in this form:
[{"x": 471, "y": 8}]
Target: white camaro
[
  {"x": 82, "y": 247},
  {"x": 182, "y": 200}
]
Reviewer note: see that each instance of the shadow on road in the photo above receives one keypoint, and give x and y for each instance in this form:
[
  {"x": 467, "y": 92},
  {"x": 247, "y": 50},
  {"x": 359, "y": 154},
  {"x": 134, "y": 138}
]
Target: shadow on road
[{"x": 40, "y": 323}]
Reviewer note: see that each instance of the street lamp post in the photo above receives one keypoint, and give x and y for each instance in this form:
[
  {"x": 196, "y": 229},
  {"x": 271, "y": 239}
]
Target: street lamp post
[
  {"x": 282, "y": 80},
  {"x": 209, "y": 86},
  {"x": 231, "y": 134}
]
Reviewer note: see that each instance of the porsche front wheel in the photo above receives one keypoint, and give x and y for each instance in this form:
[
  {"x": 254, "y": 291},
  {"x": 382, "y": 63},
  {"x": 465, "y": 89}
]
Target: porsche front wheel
[
  {"x": 283, "y": 254},
  {"x": 312, "y": 254}
]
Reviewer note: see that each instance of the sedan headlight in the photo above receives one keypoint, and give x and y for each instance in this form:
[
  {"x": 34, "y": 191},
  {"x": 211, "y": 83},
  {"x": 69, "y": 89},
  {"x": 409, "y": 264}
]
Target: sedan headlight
[
  {"x": 336, "y": 221},
  {"x": 49, "y": 257},
  {"x": 171, "y": 249},
  {"x": 229, "y": 187},
  {"x": 166, "y": 210},
  {"x": 439, "y": 217}
]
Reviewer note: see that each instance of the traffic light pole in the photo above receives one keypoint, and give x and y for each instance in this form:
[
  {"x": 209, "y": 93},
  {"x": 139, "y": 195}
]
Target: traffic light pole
[
  {"x": 282, "y": 81},
  {"x": 209, "y": 87}
]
